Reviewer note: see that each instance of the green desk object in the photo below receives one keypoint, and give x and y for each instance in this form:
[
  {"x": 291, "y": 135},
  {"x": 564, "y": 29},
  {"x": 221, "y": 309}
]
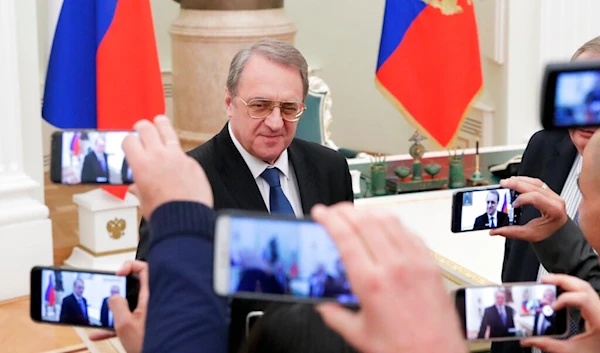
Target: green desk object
[
  {"x": 477, "y": 179},
  {"x": 457, "y": 170},
  {"x": 378, "y": 176},
  {"x": 418, "y": 182}
]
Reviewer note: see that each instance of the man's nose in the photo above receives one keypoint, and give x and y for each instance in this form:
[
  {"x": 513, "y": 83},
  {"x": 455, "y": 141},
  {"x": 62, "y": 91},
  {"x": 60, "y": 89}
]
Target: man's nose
[{"x": 274, "y": 120}]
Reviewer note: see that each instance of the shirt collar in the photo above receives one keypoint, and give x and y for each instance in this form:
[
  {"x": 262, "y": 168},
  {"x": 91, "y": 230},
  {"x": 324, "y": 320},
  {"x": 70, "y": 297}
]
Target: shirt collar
[
  {"x": 256, "y": 165},
  {"x": 493, "y": 215}
]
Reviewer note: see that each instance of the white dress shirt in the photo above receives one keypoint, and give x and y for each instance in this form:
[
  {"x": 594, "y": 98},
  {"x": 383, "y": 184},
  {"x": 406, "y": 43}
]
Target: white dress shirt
[
  {"x": 287, "y": 176},
  {"x": 495, "y": 216}
]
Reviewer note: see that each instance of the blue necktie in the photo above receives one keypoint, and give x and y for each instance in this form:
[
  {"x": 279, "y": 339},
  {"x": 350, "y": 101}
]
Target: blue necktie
[
  {"x": 82, "y": 306},
  {"x": 278, "y": 202},
  {"x": 503, "y": 317}
]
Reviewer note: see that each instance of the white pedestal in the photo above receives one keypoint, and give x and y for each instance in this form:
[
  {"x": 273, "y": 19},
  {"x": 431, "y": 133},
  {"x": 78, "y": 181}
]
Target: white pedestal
[{"x": 108, "y": 231}]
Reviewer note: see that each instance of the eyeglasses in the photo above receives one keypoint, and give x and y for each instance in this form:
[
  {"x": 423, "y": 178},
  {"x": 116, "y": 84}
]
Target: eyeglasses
[{"x": 261, "y": 108}]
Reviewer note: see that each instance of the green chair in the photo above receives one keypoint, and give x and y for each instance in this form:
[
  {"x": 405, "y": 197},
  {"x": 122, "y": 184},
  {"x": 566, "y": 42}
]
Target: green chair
[{"x": 314, "y": 125}]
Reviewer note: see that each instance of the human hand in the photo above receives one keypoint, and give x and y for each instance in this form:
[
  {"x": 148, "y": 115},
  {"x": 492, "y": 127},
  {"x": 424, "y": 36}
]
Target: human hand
[
  {"x": 390, "y": 270},
  {"x": 580, "y": 294},
  {"x": 161, "y": 170},
  {"x": 536, "y": 193},
  {"x": 129, "y": 326}
]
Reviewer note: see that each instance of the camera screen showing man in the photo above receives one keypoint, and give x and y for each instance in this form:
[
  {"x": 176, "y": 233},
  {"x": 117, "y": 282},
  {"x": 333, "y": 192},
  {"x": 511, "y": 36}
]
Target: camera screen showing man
[
  {"x": 95, "y": 164},
  {"x": 492, "y": 218},
  {"x": 74, "y": 308},
  {"x": 498, "y": 319},
  {"x": 544, "y": 317}
]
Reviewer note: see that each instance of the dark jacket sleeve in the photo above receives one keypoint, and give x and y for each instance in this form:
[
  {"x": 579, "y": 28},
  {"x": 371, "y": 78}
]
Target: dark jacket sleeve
[
  {"x": 348, "y": 183},
  {"x": 184, "y": 313},
  {"x": 142, "y": 250}
]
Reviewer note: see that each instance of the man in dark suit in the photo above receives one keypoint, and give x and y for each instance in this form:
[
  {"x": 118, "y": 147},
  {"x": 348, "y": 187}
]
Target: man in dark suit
[
  {"x": 95, "y": 164},
  {"x": 492, "y": 218},
  {"x": 126, "y": 174},
  {"x": 497, "y": 319},
  {"x": 542, "y": 323},
  {"x": 106, "y": 316},
  {"x": 321, "y": 283},
  {"x": 551, "y": 156},
  {"x": 255, "y": 163},
  {"x": 74, "y": 306}
]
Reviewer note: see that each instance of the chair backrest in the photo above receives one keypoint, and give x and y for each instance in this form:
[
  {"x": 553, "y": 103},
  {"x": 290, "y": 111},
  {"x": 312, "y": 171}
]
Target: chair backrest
[{"x": 316, "y": 119}]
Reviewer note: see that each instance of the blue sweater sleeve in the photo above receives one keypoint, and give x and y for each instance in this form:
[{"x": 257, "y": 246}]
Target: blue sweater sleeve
[{"x": 184, "y": 313}]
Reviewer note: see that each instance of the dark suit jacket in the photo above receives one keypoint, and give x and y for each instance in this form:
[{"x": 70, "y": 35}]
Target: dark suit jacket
[
  {"x": 330, "y": 289},
  {"x": 482, "y": 222},
  {"x": 549, "y": 156},
  {"x": 70, "y": 312},
  {"x": 124, "y": 168},
  {"x": 104, "y": 313},
  {"x": 491, "y": 318},
  {"x": 92, "y": 170},
  {"x": 549, "y": 330},
  {"x": 322, "y": 174},
  {"x": 268, "y": 283}
]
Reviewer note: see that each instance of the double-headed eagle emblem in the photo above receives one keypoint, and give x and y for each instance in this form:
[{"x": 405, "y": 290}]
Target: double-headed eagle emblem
[
  {"x": 116, "y": 228},
  {"x": 447, "y": 7}
]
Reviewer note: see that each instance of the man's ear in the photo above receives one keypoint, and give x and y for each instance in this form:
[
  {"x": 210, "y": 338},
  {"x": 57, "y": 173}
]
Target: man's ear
[{"x": 228, "y": 103}]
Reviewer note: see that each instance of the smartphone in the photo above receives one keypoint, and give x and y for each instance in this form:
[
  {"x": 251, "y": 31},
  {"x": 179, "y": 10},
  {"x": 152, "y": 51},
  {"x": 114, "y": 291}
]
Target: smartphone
[
  {"x": 510, "y": 311},
  {"x": 277, "y": 258},
  {"x": 89, "y": 157},
  {"x": 78, "y": 297},
  {"x": 483, "y": 208},
  {"x": 571, "y": 95}
]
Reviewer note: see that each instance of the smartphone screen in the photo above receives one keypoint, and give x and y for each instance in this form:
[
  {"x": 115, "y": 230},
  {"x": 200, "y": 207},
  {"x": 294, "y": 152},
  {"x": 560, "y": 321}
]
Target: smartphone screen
[
  {"x": 75, "y": 297},
  {"x": 268, "y": 257},
  {"x": 510, "y": 312},
  {"x": 571, "y": 95},
  {"x": 89, "y": 157},
  {"x": 486, "y": 208}
]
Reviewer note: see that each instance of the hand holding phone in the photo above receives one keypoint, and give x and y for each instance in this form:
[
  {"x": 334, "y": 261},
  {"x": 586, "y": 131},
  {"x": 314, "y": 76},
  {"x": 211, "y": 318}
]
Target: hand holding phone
[{"x": 510, "y": 312}]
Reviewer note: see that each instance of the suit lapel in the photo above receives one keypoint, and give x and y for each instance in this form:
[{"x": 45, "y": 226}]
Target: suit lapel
[
  {"x": 557, "y": 168},
  {"x": 236, "y": 175},
  {"x": 309, "y": 185}
]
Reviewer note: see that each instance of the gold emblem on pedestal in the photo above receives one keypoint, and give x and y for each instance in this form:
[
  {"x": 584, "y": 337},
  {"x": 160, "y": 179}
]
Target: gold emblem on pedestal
[
  {"x": 447, "y": 7},
  {"x": 116, "y": 228}
]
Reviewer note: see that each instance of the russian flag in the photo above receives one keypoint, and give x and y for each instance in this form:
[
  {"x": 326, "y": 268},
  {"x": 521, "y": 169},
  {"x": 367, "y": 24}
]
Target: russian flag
[
  {"x": 50, "y": 296},
  {"x": 429, "y": 64},
  {"x": 103, "y": 70},
  {"x": 505, "y": 204}
]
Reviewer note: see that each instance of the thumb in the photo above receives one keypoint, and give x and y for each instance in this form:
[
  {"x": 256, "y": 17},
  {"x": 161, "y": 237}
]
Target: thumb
[
  {"x": 120, "y": 309},
  {"x": 343, "y": 321},
  {"x": 547, "y": 344},
  {"x": 101, "y": 335}
]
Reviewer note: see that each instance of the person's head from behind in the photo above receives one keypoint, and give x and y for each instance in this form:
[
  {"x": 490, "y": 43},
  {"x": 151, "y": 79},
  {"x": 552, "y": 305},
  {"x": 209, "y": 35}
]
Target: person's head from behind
[
  {"x": 294, "y": 328},
  {"x": 78, "y": 287},
  {"x": 589, "y": 184},
  {"x": 266, "y": 88},
  {"x": 588, "y": 51},
  {"x": 492, "y": 199},
  {"x": 500, "y": 297},
  {"x": 100, "y": 144}
]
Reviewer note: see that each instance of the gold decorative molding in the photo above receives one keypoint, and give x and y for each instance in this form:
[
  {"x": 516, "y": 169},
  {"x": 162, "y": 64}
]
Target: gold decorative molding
[
  {"x": 105, "y": 253},
  {"x": 451, "y": 268}
]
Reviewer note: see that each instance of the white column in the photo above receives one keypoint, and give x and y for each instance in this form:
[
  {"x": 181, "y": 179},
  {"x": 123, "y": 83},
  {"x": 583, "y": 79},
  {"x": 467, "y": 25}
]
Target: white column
[{"x": 25, "y": 230}]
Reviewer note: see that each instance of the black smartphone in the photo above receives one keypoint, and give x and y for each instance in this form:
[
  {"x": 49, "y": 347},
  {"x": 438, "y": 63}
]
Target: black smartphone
[
  {"x": 483, "y": 208},
  {"x": 571, "y": 95},
  {"x": 78, "y": 297},
  {"x": 510, "y": 311},
  {"x": 89, "y": 157},
  {"x": 277, "y": 258}
]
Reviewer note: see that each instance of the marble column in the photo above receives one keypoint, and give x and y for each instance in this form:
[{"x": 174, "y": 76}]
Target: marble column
[
  {"x": 205, "y": 37},
  {"x": 25, "y": 230}
]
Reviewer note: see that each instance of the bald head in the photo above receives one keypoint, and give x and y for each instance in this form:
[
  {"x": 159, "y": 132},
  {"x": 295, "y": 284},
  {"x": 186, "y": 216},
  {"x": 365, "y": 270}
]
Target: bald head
[{"x": 589, "y": 184}]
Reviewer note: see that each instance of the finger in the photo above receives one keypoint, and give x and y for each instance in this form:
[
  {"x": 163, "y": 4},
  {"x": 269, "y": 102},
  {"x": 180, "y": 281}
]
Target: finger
[
  {"x": 514, "y": 232},
  {"x": 166, "y": 131},
  {"x": 526, "y": 185},
  {"x": 566, "y": 282},
  {"x": 351, "y": 249},
  {"x": 547, "y": 344},
  {"x": 125, "y": 269},
  {"x": 343, "y": 321},
  {"x": 148, "y": 134},
  {"x": 134, "y": 151},
  {"x": 589, "y": 305},
  {"x": 144, "y": 292},
  {"x": 134, "y": 189},
  {"x": 121, "y": 312},
  {"x": 102, "y": 335}
]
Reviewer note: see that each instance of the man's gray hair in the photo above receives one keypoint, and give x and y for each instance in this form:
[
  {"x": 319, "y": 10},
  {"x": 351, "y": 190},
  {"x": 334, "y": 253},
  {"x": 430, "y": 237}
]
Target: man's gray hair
[
  {"x": 277, "y": 51},
  {"x": 593, "y": 45},
  {"x": 494, "y": 192}
]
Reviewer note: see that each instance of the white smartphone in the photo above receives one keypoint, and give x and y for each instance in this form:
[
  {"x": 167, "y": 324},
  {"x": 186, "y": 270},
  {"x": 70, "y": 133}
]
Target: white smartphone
[
  {"x": 510, "y": 311},
  {"x": 277, "y": 258}
]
